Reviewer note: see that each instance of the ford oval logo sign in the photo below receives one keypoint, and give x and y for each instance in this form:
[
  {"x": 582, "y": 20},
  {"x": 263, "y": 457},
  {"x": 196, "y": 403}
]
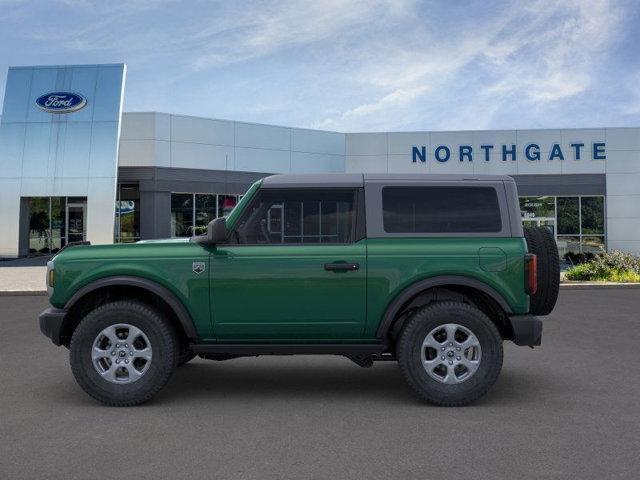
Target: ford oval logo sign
[{"x": 61, "y": 102}]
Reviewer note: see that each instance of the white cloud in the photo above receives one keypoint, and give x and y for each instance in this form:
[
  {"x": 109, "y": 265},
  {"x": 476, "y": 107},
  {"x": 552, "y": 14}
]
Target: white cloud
[
  {"x": 551, "y": 57},
  {"x": 398, "y": 98},
  {"x": 349, "y": 64},
  {"x": 286, "y": 24},
  {"x": 541, "y": 53}
]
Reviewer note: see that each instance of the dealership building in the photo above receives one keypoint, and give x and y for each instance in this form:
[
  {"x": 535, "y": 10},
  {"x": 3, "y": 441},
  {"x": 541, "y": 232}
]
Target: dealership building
[{"x": 74, "y": 167}]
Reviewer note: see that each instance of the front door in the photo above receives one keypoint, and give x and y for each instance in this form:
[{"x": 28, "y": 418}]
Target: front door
[
  {"x": 294, "y": 269},
  {"x": 76, "y": 222}
]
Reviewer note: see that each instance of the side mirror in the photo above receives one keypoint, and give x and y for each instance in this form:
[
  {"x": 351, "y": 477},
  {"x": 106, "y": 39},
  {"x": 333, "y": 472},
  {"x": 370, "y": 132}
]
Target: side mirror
[{"x": 217, "y": 231}]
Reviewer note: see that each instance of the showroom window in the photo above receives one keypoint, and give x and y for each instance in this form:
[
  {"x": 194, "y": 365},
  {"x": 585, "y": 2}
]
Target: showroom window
[
  {"x": 296, "y": 216},
  {"x": 191, "y": 212},
  {"x": 127, "y": 226},
  {"x": 578, "y": 223},
  {"x": 54, "y": 222}
]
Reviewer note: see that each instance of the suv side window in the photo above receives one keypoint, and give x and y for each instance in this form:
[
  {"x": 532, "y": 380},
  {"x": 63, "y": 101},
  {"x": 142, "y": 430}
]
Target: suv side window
[
  {"x": 298, "y": 216},
  {"x": 441, "y": 209}
]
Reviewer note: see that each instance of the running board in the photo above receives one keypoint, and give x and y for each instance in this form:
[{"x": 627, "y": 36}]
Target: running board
[{"x": 348, "y": 349}]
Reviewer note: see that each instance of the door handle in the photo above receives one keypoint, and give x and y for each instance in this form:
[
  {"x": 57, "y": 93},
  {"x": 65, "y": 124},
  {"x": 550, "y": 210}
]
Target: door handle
[{"x": 341, "y": 266}]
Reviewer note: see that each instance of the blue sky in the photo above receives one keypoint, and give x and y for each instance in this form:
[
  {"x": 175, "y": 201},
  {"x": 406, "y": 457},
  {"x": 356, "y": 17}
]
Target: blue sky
[{"x": 348, "y": 65}]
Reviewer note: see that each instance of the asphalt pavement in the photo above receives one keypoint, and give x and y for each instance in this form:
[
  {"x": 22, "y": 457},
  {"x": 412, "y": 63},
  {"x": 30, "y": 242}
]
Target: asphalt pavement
[{"x": 569, "y": 409}]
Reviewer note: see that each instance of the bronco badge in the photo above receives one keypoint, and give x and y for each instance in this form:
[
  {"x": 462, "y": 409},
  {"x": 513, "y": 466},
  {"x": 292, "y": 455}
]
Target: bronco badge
[{"x": 198, "y": 267}]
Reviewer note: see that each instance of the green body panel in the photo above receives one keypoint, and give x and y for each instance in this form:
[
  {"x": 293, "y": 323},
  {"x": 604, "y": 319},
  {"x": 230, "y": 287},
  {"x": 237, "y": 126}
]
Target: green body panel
[
  {"x": 168, "y": 263},
  {"x": 394, "y": 264},
  {"x": 283, "y": 292}
]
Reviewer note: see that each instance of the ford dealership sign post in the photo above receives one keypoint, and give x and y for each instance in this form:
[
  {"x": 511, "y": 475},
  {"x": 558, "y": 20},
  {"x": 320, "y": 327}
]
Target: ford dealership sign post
[{"x": 61, "y": 102}]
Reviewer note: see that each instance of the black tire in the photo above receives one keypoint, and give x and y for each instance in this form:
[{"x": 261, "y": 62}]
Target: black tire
[
  {"x": 409, "y": 353},
  {"x": 540, "y": 242},
  {"x": 164, "y": 347}
]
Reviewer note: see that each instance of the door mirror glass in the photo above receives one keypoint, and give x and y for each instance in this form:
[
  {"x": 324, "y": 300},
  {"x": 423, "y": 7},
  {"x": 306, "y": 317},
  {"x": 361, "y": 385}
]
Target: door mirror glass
[{"x": 217, "y": 230}]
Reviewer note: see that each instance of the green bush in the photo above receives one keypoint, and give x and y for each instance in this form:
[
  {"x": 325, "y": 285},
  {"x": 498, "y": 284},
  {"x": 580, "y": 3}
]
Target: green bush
[{"x": 614, "y": 266}]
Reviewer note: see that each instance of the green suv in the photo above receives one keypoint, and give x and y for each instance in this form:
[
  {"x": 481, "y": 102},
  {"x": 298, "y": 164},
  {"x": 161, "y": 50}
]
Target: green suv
[{"x": 432, "y": 271}]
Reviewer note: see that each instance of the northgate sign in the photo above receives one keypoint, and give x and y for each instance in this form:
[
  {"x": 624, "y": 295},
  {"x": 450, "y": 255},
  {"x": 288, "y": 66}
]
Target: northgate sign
[{"x": 531, "y": 152}]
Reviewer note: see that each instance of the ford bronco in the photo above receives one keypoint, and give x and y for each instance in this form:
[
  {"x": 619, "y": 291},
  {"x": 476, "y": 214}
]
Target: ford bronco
[{"x": 433, "y": 272}]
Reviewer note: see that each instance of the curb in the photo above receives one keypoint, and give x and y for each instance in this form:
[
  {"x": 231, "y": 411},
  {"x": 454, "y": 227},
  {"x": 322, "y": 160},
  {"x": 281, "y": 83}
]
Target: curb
[
  {"x": 597, "y": 285},
  {"x": 22, "y": 293}
]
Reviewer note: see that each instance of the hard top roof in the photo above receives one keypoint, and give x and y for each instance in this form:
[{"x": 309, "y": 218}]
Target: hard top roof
[{"x": 359, "y": 179}]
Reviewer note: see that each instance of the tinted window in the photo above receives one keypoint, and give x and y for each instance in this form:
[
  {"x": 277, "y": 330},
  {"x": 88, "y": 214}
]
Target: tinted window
[
  {"x": 440, "y": 210},
  {"x": 298, "y": 216}
]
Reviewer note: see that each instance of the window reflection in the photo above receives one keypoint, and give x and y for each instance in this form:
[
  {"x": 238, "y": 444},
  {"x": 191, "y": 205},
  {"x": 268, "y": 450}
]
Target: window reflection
[
  {"x": 592, "y": 214},
  {"x": 54, "y": 222},
  {"x": 579, "y": 220},
  {"x": 568, "y": 216},
  {"x": 127, "y": 228},
  {"x": 192, "y": 212}
]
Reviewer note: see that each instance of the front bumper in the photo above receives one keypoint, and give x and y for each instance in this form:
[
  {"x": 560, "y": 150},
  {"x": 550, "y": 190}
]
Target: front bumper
[
  {"x": 527, "y": 330},
  {"x": 51, "y": 323}
]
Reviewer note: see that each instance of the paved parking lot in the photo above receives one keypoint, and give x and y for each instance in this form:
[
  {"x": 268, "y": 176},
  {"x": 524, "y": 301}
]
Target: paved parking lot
[{"x": 570, "y": 409}]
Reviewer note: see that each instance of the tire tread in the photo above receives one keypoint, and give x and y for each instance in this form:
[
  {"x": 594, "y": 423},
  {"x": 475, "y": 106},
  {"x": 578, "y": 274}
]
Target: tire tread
[
  {"x": 404, "y": 344},
  {"x": 165, "y": 330}
]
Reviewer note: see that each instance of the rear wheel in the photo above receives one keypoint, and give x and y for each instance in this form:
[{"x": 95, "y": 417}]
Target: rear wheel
[
  {"x": 123, "y": 353},
  {"x": 540, "y": 241},
  {"x": 450, "y": 353}
]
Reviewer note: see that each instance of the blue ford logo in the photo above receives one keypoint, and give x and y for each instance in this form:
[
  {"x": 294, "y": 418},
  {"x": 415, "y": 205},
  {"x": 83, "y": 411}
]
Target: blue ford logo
[{"x": 61, "y": 102}]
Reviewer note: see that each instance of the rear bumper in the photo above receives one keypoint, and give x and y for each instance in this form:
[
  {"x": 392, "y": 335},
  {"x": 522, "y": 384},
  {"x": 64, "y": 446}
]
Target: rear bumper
[
  {"x": 51, "y": 322},
  {"x": 527, "y": 330}
]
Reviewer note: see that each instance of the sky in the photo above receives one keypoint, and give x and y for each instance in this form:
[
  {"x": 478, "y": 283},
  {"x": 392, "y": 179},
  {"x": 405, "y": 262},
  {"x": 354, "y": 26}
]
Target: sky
[{"x": 351, "y": 65}]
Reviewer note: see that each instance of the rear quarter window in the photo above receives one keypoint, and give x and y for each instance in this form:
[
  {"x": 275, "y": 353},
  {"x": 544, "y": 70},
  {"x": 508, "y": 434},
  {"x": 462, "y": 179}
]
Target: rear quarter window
[{"x": 441, "y": 209}]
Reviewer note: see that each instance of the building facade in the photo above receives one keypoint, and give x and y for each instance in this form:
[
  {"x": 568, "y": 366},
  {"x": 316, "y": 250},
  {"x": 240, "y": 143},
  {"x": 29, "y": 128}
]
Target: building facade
[
  {"x": 97, "y": 174},
  {"x": 59, "y": 137}
]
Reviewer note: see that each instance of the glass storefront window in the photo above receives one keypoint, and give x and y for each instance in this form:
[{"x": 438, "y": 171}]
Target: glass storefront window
[
  {"x": 58, "y": 223},
  {"x": 568, "y": 244},
  {"x": 205, "y": 212},
  {"x": 580, "y": 221},
  {"x": 537, "y": 207},
  {"x": 127, "y": 227},
  {"x": 54, "y": 222},
  {"x": 593, "y": 244},
  {"x": 592, "y": 215},
  {"x": 181, "y": 214},
  {"x": 39, "y": 226},
  {"x": 568, "y": 216}
]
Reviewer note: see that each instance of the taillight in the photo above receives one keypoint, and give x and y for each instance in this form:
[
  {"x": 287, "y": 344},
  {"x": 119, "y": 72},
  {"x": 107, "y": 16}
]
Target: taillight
[{"x": 530, "y": 273}]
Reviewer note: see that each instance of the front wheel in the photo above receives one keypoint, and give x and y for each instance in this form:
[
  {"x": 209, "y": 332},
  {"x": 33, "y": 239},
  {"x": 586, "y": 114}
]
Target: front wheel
[
  {"x": 123, "y": 353},
  {"x": 450, "y": 353}
]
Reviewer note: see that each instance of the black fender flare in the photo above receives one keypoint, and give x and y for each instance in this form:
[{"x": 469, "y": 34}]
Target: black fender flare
[
  {"x": 415, "y": 288},
  {"x": 165, "y": 294}
]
